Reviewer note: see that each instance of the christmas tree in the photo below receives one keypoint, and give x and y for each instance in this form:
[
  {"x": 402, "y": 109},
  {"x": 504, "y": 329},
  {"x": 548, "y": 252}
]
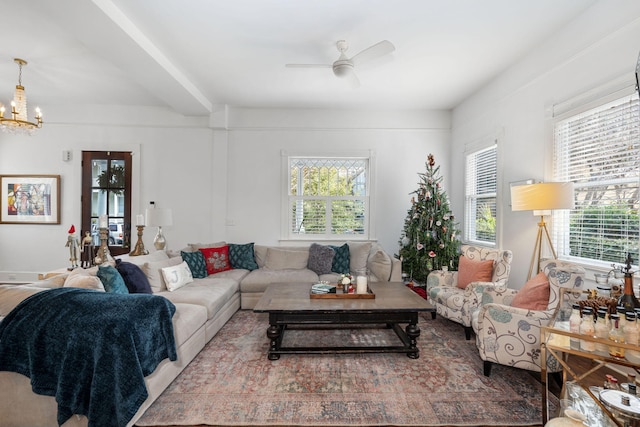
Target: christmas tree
[{"x": 429, "y": 240}]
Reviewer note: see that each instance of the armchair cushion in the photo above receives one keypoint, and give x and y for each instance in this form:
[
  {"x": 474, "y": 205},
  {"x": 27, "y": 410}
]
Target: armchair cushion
[
  {"x": 534, "y": 295},
  {"x": 473, "y": 271}
]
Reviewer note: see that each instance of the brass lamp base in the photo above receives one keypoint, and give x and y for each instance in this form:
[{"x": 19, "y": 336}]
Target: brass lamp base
[{"x": 139, "y": 249}]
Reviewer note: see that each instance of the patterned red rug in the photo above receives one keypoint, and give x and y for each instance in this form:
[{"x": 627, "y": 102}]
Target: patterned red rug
[{"x": 231, "y": 382}]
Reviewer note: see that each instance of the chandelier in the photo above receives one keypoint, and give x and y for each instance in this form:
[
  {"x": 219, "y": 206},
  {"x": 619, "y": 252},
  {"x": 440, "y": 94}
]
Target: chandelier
[{"x": 19, "y": 123}]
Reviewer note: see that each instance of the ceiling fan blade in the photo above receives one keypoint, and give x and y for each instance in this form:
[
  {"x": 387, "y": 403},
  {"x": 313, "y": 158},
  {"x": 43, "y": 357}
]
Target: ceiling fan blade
[
  {"x": 308, "y": 65},
  {"x": 377, "y": 50},
  {"x": 353, "y": 80}
]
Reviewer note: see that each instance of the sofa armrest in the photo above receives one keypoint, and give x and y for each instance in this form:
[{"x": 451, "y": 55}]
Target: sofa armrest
[
  {"x": 474, "y": 291},
  {"x": 504, "y": 319},
  {"x": 442, "y": 278}
]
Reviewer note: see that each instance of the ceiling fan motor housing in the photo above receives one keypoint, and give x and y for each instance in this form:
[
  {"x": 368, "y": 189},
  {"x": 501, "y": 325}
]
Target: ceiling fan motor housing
[{"x": 342, "y": 67}]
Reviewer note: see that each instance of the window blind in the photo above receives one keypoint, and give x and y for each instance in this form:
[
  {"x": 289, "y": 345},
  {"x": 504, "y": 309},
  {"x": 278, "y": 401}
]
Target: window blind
[
  {"x": 599, "y": 150},
  {"x": 480, "y": 195}
]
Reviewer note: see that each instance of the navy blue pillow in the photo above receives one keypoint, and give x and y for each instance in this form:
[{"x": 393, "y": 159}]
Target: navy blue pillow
[
  {"x": 134, "y": 278},
  {"x": 341, "y": 259}
]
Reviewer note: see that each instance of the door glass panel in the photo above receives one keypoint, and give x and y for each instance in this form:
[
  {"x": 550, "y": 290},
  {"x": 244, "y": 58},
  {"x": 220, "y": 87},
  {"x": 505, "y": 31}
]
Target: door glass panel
[
  {"x": 98, "y": 173},
  {"x": 98, "y": 202}
]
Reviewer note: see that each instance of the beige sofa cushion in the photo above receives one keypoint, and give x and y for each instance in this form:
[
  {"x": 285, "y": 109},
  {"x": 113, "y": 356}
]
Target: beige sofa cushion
[
  {"x": 379, "y": 264},
  {"x": 212, "y": 293},
  {"x": 358, "y": 255},
  {"x": 283, "y": 259},
  {"x": 84, "y": 278},
  {"x": 187, "y": 319},
  {"x": 153, "y": 271},
  {"x": 12, "y": 295}
]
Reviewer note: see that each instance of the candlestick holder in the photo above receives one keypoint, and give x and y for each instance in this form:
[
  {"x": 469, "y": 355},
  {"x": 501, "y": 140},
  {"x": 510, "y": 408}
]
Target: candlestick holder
[
  {"x": 139, "y": 249},
  {"x": 103, "y": 254}
]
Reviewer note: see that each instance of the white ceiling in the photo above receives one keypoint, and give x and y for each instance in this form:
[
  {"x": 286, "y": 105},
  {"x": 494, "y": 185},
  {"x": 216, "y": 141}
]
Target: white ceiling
[{"x": 193, "y": 54}]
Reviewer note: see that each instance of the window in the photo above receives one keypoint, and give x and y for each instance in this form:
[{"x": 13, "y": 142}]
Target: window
[
  {"x": 480, "y": 196},
  {"x": 599, "y": 150},
  {"x": 106, "y": 189},
  {"x": 328, "y": 197}
]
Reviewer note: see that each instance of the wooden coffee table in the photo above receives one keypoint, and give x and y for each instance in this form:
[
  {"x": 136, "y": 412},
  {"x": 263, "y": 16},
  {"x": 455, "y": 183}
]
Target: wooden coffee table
[{"x": 290, "y": 305}]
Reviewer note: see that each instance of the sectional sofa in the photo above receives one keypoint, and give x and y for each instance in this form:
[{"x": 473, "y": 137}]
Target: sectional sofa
[{"x": 203, "y": 306}]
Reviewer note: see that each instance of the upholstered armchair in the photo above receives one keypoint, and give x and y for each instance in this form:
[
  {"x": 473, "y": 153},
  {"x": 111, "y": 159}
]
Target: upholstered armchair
[
  {"x": 456, "y": 300},
  {"x": 508, "y": 334}
]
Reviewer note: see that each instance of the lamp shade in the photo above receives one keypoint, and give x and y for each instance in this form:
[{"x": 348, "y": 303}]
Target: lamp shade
[
  {"x": 159, "y": 217},
  {"x": 542, "y": 196}
]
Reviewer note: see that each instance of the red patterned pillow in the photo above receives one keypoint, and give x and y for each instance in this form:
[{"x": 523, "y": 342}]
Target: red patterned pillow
[{"x": 217, "y": 259}]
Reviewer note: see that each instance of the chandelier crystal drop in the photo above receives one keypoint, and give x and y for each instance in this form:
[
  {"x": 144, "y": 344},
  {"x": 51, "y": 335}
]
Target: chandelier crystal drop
[{"x": 18, "y": 122}]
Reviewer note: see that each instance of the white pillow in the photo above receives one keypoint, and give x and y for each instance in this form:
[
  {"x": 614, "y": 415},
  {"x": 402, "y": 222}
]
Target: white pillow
[
  {"x": 177, "y": 276},
  {"x": 84, "y": 278},
  {"x": 153, "y": 271}
]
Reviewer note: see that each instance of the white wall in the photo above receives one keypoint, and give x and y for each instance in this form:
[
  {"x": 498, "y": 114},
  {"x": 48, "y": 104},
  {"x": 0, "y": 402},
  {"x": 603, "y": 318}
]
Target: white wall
[
  {"x": 172, "y": 166},
  {"x": 400, "y": 142},
  {"x": 211, "y": 173},
  {"x": 596, "y": 53}
]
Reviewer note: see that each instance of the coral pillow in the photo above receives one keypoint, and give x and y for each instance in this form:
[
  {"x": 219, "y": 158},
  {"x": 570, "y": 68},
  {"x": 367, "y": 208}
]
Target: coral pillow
[
  {"x": 474, "y": 271},
  {"x": 217, "y": 259},
  {"x": 534, "y": 295}
]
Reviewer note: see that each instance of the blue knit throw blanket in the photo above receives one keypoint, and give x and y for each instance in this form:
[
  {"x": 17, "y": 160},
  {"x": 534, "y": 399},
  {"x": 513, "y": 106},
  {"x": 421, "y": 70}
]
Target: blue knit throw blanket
[{"x": 89, "y": 349}]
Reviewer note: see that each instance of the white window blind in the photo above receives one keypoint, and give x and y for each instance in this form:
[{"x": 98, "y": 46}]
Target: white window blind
[
  {"x": 480, "y": 195},
  {"x": 328, "y": 197},
  {"x": 599, "y": 150}
]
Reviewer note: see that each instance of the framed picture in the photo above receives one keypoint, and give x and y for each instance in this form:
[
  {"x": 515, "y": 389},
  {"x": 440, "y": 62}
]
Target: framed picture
[{"x": 30, "y": 199}]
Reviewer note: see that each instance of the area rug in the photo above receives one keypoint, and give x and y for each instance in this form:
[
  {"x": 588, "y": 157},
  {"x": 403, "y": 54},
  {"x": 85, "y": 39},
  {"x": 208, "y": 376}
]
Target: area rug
[{"x": 232, "y": 383}]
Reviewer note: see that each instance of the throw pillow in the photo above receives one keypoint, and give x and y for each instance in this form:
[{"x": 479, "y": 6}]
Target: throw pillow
[
  {"x": 474, "y": 271},
  {"x": 153, "y": 271},
  {"x": 380, "y": 265},
  {"x": 198, "y": 246},
  {"x": 242, "y": 257},
  {"x": 341, "y": 259},
  {"x": 283, "y": 259},
  {"x": 534, "y": 295},
  {"x": 320, "y": 259},
  {"x": 134, "y": 278},
  {"x": 217, "y": 259},
  {"x": 197, "y": 264},
  {"x": 177, "y": 276},
  {"x": 358, "y": 255},
  {"x": 112, "y": 280},
  {"x": 84, "y": 278}
]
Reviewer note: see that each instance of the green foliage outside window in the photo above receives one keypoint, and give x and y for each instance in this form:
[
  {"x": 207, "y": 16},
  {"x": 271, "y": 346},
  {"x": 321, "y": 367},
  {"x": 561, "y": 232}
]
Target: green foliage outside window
[
  {"x": 606, "y": 233},
  {"x": 333, "y": 187}
]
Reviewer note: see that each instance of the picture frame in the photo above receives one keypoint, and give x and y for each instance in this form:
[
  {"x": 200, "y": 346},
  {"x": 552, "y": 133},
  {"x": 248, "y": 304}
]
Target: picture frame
[{"x": 29, "y": 199}]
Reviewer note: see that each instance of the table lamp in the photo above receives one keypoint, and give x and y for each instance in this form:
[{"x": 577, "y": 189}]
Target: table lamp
[
  {"x": 542, "y": 198},
  {"x": 159, "y": 217}
]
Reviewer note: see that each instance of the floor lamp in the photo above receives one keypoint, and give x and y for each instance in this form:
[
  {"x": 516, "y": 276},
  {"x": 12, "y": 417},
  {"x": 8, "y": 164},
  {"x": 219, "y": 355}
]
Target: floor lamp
[{"x": 542, "y": 198}]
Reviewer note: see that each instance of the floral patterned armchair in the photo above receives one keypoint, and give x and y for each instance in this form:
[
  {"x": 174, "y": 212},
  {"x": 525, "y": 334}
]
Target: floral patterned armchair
[
  {"x": 511, "y": 336},
  {"x": 458, "y": 304}
]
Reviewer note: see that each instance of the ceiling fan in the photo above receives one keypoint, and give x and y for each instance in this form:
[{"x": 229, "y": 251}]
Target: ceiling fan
[{"x": 344, "y": 67}]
